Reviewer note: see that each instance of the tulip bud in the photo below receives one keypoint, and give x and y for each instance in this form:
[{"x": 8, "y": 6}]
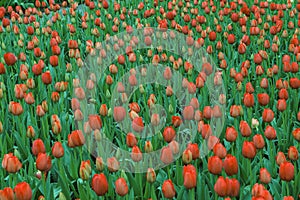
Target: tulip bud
[{"x": 85, "y": 170}]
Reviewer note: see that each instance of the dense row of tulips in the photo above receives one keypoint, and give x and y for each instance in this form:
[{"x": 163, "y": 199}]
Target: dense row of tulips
[{"x": 255, "y": 47}]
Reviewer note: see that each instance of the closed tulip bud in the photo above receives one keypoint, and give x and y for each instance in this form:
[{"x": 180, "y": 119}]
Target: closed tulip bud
[
  {"x": 151, "y": 175},
  {"x": 131, "y": 140},
  {"x": 137, "y": 124},
  {"x": 155, "y": 119},
  {"x": 136, "y": 154},
  {"x": 43, "y": 162},
  {"x": 258, "y": 141},
  {"x": 286, "y": 171},
  {"x": 15, "y": 108},
  {"x": 214, "y": 165},
  {"x": 174, "y": 147},
  {"x": 280, "y": 158},
  {"x": 187, "y": 156},
  {"x": 100, "y": 184},
  {"x": 168, "y": 189},
  {"x": 56, "y": 127},
  {"x": 248, "y": 150},
  {"x": 45, "y": 106},
  {"x": 296, "y": 133},
  {"x": 121, "y": 187},
  {"x": 188, "y": 113},
  {"x": 176, "y": 121},
  {"x": 103, "y": 110},
  {"x": 293, "y": 153},
  {"x": 113, "y": 164},
  {"x": 23, "y": 191},
  {"x": 270, "y": 132},
  {"x": 46, "y": 78},
  {"x": 30, "y": 133},
  {"x": 248, "y": 100},
  {"x": 99, "y": 164},
  {"x": 85, "y": 170},
  {"x": 264, "y": 176},
  {"x": 57, "y": 150},
  {"x": 245, "y": 129},
  {"x": 230, "y": 165},
  {"x": 38, "y": 147},
  {"x": 234, "y": 111},
  {"x": 148, "y": 147}
]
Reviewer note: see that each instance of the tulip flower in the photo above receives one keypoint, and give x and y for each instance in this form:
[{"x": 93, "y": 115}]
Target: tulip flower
[{"x": 100, "y": 184}]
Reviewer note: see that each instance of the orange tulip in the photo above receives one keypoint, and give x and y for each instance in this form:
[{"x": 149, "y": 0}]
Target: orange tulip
[
  {"x": 189, "y": 176},
  {"x": 7, "y": 194},
  {"x": 23, "y": 191},
  {"x": 10, "y": 58},
  {"x": 168, "y": 189},
  {"x": 38, "y": 147},
  {"x": 286, "y": 171},
  {"x": 267, "y": 115},
  {"x": 264, "y": 176}
]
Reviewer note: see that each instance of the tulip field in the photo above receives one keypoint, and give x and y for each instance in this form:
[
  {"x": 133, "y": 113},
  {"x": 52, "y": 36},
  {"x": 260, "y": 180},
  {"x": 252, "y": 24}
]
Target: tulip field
[{"x": 154, "y": 99}]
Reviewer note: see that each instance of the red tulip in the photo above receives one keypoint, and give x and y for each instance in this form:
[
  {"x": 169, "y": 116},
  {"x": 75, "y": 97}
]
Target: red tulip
[
  {"x": 38, "y": 147},
  {"x": 280, "y": 158},
  {"x": 46, "y": 78},
  {"x": 263, "y": 99},
  {"x": 258, "y": 141},
  {"x": 220, "y": 187},
  {"x": 166, "y": 155},
  {"x": 76, "y": 138},
  {"x": 57, "y": 150},
  {"x": 23, "y": 191},
  {"x": 168, "y": 189},
  {"x": 11, "y": 163},
  {"x": 188, "y": 113},
  {"x": 189, "y": 176},
  {"x": 113, "y": 164},
  {"x": 131, "y": 140},
  {"x": 43, "y": 162},
  {"x": 219, "y": 150},
  {"x": 136, "y": 154},
  {"x": 119, "y": 113},
  {"x": 245, "y": 129},
  {"x": 293, "y": 153},
  {"x": 121, "y": 187},
  {"x": 231, "y": 134},
  {"x": 270, "y": 132},
  {"x": 15, "y": 108},
  {"x": 169, "y": 134},
  {"x": 264, "y": 176},
  {"x": 100, "y": 184},
  {"x": 267, "y": 115},
  {"x": 286, "y": 171},
  {"x": 230, "y": 165},
  {"x": 95, "y": 122},
  {"x": 7, "y": 194},
  {"x": 296, "y": 133},
  {"x": 248, "y": 150},
  {"x": 193, "y": 147},
  {"x": 214, "y": 165},
  {"x": 137, "y": 124},
  {"x": 10, "y": 58}
]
